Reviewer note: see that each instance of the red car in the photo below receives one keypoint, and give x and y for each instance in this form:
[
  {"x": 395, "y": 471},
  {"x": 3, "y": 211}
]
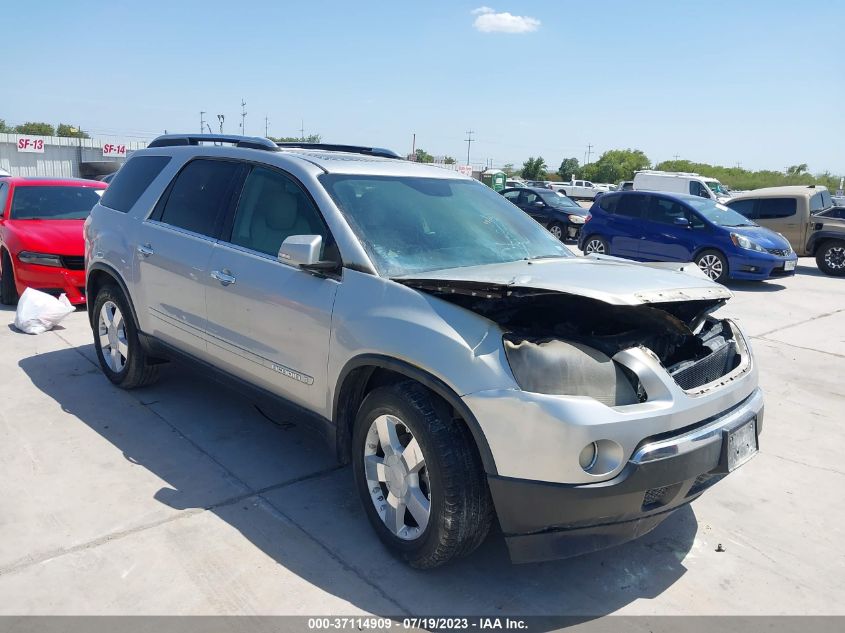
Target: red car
[{"x": 41, "y": 242}]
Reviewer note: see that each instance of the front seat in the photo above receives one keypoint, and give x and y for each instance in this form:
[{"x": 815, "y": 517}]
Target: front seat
[{"x": 277, "y": 217}]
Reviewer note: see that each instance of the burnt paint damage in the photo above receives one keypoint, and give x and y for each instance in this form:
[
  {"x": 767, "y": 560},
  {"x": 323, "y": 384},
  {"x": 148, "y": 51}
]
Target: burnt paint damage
[{"x": 679, "y": 333}]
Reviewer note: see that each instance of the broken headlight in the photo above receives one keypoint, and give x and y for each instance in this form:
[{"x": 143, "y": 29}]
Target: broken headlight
[{"x": 557, "y": 367}]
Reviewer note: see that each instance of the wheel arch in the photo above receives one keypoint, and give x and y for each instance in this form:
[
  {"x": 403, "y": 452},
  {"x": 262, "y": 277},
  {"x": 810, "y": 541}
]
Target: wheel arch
[
  {"x": 99, "y": 275},
  {"x": 820, "y": 237},
  {"x": 364, "y": 373}
]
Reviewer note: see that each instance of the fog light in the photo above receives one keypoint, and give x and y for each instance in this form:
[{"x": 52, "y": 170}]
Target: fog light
[
  {"x": 589, "y": 455},
  {"x": 601, "y": 457}
]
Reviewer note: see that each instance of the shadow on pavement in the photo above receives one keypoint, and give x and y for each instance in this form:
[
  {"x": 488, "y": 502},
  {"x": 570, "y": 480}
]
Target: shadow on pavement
[
  {"x": 320, "y": 500},
  {"x": 755, "y": 286}
]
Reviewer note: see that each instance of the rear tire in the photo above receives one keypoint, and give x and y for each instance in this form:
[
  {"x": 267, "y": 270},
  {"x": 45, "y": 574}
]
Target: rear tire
[
  {"x": 435, "y": 467},
  {"x": 597, "y": 245},
  {"x": 122, "y": 359},
  {"x": 830, "y": 258},
  {"x": 713, "y": 264},
  {"x": 8, "y": 291}
]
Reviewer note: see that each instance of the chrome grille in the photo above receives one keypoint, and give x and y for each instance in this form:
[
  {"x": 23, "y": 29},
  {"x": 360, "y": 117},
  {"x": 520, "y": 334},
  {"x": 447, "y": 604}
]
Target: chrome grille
[{"x": 780, "y": 252}]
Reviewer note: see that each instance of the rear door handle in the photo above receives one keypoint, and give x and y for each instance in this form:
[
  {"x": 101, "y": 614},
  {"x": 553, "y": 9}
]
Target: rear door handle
[
  {"x": 145, "y": 250},
  {"x": 223, "y": 276}
]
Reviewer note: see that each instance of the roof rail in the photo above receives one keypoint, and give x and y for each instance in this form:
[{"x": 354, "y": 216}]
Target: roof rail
[
  {"x": 249, "y": 142},
  {"x": 353, "y": 149}
]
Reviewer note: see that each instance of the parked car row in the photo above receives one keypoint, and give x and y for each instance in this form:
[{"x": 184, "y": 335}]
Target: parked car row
[{"x": 562, "y": 216}]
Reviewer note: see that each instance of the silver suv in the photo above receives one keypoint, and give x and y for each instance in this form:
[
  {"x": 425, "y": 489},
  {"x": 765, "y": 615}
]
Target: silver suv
[{"x": 464, "y": 361}]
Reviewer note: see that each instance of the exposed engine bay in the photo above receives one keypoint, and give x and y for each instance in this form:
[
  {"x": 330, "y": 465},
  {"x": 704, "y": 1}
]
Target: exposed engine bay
[{"x": 562, "y": 343}]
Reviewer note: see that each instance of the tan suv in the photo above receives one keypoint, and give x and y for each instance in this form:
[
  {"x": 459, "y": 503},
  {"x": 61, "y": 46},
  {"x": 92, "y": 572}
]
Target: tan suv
[{"x": 797, "y": 212}]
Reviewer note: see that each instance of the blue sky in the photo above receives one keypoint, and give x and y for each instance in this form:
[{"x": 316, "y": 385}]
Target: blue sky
[{"x": 759, "y": 82}]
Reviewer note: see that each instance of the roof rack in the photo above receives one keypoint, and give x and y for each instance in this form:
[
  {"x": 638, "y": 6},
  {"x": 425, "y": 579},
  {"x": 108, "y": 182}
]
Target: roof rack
[
  {"x": 353, "y": 149},
  {"x": 249, "y": 142}
]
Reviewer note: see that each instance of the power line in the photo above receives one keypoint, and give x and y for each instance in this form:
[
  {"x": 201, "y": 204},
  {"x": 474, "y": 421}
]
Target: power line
[{"x": 468, "y": 139}]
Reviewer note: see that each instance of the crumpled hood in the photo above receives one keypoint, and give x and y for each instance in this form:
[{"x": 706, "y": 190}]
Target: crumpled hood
[
  {"x": 58, "y": 237},
  {"x": 608, "y": 279}
]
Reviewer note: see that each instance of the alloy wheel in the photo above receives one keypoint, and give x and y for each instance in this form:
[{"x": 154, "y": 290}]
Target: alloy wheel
[
  {"x": 555, "y": 230},
  {"x": 112, "y": 332},
  {"x": 835, "y": 257},
  {"x": 594, "y": 246},
  {"x": 711, "y": 265},
  {"x": 397, "y": 477}
]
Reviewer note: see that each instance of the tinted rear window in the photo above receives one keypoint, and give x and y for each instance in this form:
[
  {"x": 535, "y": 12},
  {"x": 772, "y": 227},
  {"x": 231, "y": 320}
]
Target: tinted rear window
[
  {"x": 631, "y": 205},
  {"x": 768, "y": 208},
  {"x": 608, "y": 203},
  {"x": 53, "y": 203},
  {"x": 745, "y": 207},
  {"x": 132, "y": 180},
  {"x": 199, "y": 195}
]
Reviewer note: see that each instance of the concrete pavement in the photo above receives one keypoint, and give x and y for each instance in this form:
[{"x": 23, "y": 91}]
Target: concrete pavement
[{"x": 183, "y": 498}]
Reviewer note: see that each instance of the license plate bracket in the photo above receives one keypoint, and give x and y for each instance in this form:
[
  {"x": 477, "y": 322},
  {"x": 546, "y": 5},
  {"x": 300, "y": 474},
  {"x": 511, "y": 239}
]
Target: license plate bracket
[
  {"x": 741, "y": 444},
  {"x": 789, "y": 265}
]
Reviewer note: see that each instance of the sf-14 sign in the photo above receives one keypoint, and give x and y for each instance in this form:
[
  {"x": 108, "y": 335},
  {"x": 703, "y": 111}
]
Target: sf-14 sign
[{"x": 118, "y": 151}]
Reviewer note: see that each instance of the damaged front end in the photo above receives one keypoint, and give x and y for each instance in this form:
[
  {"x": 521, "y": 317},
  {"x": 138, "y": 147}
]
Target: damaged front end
[{"x": 563, "y": 344}]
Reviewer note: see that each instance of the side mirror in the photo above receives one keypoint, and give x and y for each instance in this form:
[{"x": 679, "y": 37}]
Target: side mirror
[
  {"x": 304, "y": 251},
  {"x": 539, "y": 204},
  {"x": 682, "y": 222}
]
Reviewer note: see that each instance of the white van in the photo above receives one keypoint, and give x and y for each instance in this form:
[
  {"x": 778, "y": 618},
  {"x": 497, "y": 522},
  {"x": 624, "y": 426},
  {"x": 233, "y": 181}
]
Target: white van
[{"x": 681, "y": 182}]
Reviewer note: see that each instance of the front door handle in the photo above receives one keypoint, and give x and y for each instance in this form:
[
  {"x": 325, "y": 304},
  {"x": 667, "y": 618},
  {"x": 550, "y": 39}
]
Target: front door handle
[
  {"x": 145, "y": 250},
  {"x": 223, "y": 276}
]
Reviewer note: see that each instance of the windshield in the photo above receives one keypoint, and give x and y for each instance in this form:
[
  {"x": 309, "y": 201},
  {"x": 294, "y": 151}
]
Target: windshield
[
  {"x": 560, "y": 201},
  {"x": 410, "y": 225},
  {"x": 53, "y": 203},
  {"x": 718, "y": 188},
  {"x": 718, "y": 214}
]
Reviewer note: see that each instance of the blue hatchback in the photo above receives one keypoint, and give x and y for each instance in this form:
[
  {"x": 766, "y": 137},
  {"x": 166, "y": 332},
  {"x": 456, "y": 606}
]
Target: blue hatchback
[{"x": 658, "y": 226}]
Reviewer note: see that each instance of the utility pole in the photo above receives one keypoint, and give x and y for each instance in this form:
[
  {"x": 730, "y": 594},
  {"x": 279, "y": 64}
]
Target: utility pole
[
  {"x": 589, "y": 153},
  {"x": 266, "y": 126},
  {"x": 468, "y": 139},
  {"x": 302, "y": 130},
  {"x": 220, "y": 119},
  {"x": 202, "y": 121},
  {"x": 243, "y": 117},
  {"x": 414, "y": 144},
  {"x": 675, "y": 157}
]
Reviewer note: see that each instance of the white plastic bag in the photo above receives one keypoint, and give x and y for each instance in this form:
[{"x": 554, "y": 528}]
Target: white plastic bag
[{"x": 38, "y": 312}]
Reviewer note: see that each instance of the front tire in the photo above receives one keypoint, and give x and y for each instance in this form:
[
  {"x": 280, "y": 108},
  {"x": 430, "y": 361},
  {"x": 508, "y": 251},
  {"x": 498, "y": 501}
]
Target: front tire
[
  {"x": 557, "y": 230},
  {"x": 713, "y": 264},
  {"x": 830, "y": 258},
  {"x": 8, "y": 290},
  {"x": 419, "y": 476},
  {"x": 122, "y": 359}
]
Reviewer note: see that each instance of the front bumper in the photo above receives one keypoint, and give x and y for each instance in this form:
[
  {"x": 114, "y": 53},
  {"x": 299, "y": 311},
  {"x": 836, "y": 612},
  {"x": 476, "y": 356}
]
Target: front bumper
[
  {"x": 52, "y": 280},
  {"x": 760, "y": 266},
  {"x": 543, "y": 521}
]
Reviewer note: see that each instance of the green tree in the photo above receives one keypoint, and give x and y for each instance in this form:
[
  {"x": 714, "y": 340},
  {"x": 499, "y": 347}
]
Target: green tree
[
  {"x": 423, "y": 156},
  {"x": 569, "y": 168},
  {"x": 615, "y": 165},
  {"x": 68, "y": 130},
  {"x": 534, "y": 168},
  {"x": 311, "y": 138},
  {"x": 508, "y": 169},
  {"x": 742, "y": 179},
  {"x": 5, "y": 129},
  {"x": 448, "y": 160},
  {"x": 37, "y": 128}
]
